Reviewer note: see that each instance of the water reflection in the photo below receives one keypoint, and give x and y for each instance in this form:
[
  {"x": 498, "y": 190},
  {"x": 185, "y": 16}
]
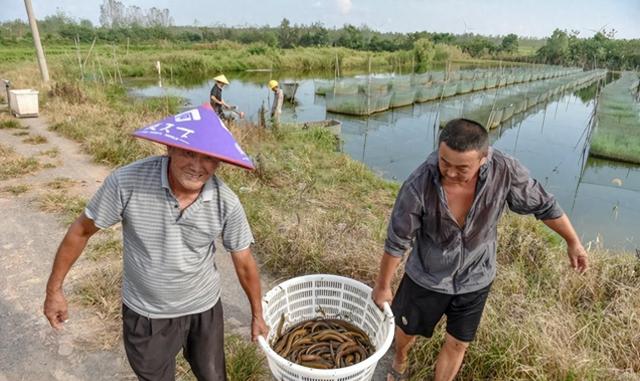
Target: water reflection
[{"x": 602, "y": 197}]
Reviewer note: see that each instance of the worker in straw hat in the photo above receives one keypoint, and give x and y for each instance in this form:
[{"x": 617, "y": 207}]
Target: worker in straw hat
[
  {"x": 278, "y": 100},
  {"x": 172, "y": 209},
  {"x": 216, "y": 101}
]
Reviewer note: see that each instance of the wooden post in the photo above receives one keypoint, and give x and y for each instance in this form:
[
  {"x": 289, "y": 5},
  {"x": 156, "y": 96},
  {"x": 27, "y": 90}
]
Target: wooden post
[
  {"x": 42, "y": 62},
  {"x": 77, "y": 41}
]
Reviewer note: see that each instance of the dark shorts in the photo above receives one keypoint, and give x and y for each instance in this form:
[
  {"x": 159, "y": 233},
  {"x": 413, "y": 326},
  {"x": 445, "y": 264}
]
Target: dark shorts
[
  {"x": 418, "y": 310},
  {"x": 153, "y": 344}
]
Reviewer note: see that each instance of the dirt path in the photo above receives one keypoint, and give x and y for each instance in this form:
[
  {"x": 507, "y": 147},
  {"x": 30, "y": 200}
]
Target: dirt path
[{"x": 30, "y": 349}]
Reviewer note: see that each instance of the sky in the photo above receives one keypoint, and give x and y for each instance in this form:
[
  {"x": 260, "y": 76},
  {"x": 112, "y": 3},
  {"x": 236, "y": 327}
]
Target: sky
[{"x": 533, "y": 18}]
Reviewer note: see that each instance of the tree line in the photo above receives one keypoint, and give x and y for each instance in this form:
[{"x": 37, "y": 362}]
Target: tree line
[{"x": 119, "y": 23}]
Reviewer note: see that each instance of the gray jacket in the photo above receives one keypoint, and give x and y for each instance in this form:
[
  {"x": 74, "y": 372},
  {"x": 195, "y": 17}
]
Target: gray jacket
[{"x": 446, "y": 258}]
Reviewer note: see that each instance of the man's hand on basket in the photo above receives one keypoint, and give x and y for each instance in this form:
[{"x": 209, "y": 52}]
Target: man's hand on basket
[
  {"x": 381, "y": 294},
  {"x": 258, "y": 328}
]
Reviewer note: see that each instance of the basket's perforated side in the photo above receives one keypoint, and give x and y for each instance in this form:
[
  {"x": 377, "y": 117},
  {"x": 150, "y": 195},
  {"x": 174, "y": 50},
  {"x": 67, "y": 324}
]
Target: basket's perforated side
[{"x": 314, "y": 296}]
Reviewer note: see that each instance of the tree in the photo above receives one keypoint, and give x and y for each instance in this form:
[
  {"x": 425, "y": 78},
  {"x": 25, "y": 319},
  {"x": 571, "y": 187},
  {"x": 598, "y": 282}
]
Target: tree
[
  {"x": 509, "y": 43},
  {"x": 286, "y": 35},
  {"x": 478, "y": 46},
  {"x": 351, "y": 37},
  {"x": 112, "y": 13},
  {"x": 314, "y": 35},
  {"x": 556, "y": 50},
  {"x": 424, "y": 52}
]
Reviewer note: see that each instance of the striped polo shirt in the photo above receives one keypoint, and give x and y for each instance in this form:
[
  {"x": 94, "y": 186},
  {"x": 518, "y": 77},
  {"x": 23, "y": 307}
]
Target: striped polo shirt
[{"x": 168, "y": 261}]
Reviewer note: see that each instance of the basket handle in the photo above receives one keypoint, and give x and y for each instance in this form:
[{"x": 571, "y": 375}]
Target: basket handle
[
  {"x": 387, "y": 310},
  {"x": 263, "y": 342}
]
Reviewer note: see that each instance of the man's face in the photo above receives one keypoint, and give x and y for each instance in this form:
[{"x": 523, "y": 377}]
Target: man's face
[
  {"x": 220, "y": 85},
  {"x": 459, "y": 167},
  {"x": 188, "y": 170}
]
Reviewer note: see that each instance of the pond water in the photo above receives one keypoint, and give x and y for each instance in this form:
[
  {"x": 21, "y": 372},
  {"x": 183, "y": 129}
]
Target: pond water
[{"x": 601, "y": 197}]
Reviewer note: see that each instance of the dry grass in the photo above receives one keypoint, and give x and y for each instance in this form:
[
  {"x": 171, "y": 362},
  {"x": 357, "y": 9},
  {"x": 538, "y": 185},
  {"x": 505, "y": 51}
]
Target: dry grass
[
  {"x": 10, "y": 124},
  {"x": 107, "y": 244},
  {"x": 20, "y": 133},
  {"x": 61, "y": 183},
  {"x": 13, "y": 165},
  {"x": 67, "y": 206},
  {"x": 35, "y": 139},
  {"x": 101, "y": 292},
  {"x": 52, "y": 153},
  {"x": 16, "y": 189}
]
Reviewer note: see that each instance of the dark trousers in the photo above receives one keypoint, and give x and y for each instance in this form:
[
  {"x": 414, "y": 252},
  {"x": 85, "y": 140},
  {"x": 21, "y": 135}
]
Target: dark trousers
[{"x": 153, "y": 344}]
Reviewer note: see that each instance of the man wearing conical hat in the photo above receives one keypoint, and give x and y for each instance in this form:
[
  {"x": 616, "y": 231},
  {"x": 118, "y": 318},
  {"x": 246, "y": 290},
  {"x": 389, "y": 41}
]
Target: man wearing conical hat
[
  {"x": 216, "y": 101},
  {"x": 173, "y": 209}
]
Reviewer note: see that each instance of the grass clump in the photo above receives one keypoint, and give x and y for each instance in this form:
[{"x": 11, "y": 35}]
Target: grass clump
[
  {"x": 61, "y": 183},
  {"x": 243, "y": 359},
  {"x": 16, "y": 189},
  {"x": 105, "y": 245},
  {"x": 35, "y": 139},
  {"x": 11, "y": 124},
  {"x": 52, "y": 153},
  {"x": 13, "y": 165},
  {"x": 67, "y": 206}
]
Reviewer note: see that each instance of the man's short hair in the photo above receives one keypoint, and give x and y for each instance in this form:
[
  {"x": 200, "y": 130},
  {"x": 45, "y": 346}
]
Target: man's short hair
[{"x": 464, "y": 135}]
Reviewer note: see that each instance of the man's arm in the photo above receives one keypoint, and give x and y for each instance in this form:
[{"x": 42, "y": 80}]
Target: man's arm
[
  {"x": 249, "y": 278},
  {"x": 382, "y": 289},
  {"x": 220, "y": 101},
  {"x": 577, "y": 254},
  {"x": 55, "y": 304}
]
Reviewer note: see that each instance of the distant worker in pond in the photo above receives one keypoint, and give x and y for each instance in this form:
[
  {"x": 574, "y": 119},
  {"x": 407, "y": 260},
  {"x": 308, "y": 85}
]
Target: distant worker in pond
[
  {"x": 173, "y": 209},
  {"x": 224, "y": 110},
  {"x": 278, "y": 100},
  {"x": 446, "y": 214}
]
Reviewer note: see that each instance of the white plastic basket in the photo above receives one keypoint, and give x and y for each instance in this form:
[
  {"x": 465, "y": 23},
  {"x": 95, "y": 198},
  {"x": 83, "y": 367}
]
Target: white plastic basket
[
  {"x": 311, "y": 296},
  {"x": 24, "y": 102}
]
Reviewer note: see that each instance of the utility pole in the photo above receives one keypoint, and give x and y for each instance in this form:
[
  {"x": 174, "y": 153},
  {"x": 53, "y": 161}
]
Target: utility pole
[{"x": 42, "y": 62}]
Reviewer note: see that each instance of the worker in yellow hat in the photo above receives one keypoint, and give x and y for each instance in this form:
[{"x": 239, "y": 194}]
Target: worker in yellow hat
[
  {"x": 217, "y": 103},
  {"x": 278, "y": 100}
]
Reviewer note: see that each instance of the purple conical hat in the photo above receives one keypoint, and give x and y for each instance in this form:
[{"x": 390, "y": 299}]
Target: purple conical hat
[{"x": 198, "y": 130}]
